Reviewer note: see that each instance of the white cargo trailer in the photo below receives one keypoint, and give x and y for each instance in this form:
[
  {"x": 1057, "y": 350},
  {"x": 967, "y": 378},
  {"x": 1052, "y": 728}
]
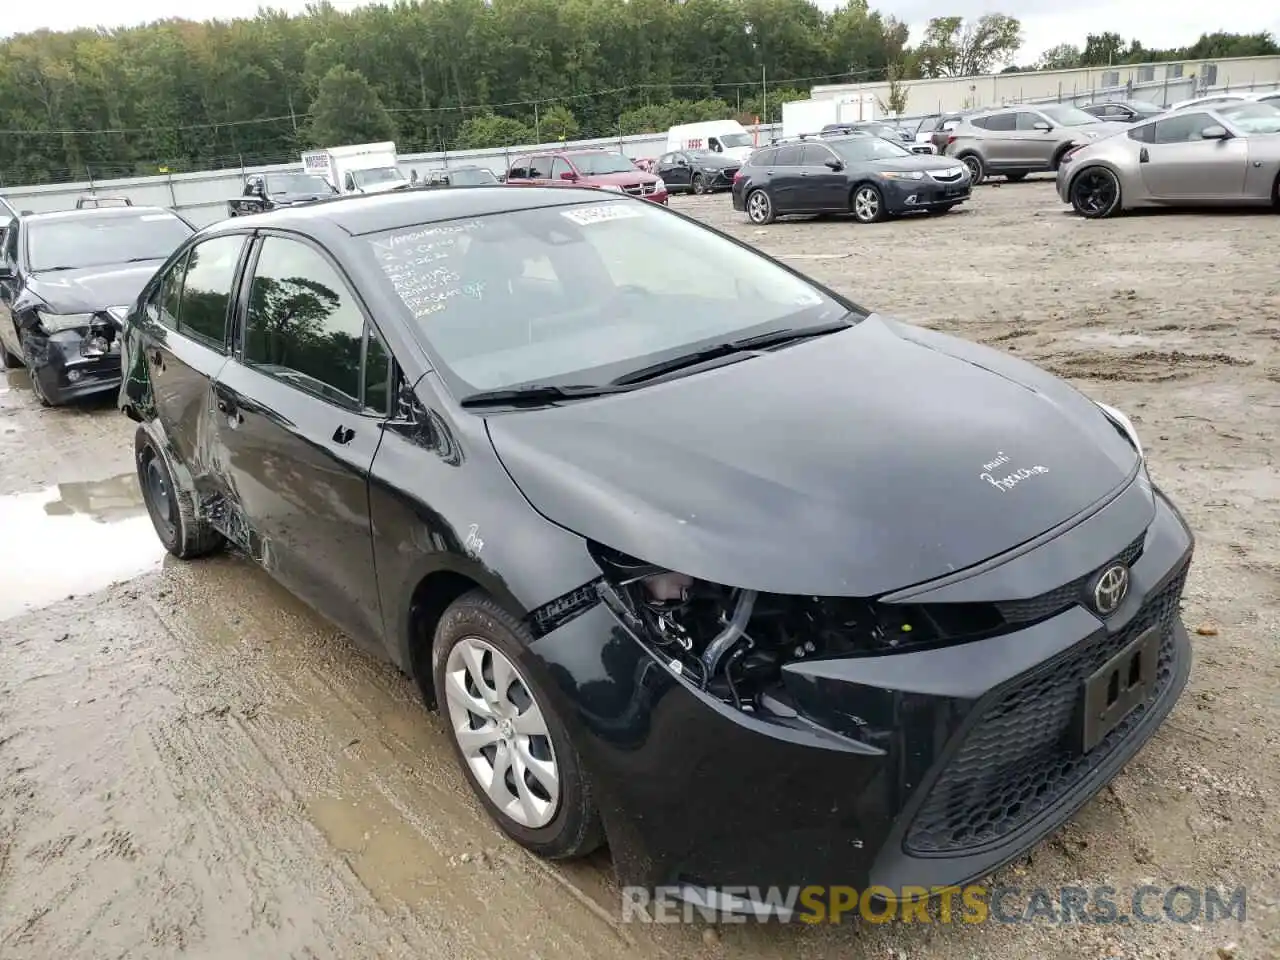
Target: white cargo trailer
[{"x": 810, "y": 116}]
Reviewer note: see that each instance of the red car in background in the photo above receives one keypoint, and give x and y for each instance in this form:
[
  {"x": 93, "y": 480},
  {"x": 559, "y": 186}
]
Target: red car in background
[{"x": 591, "y": 168}]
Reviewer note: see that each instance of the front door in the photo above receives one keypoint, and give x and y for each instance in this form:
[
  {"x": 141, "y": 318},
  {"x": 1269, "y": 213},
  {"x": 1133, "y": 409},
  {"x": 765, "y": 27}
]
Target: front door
[
  {"x": 300, "y": 413},
  {"x": 1181, "y": 165}
]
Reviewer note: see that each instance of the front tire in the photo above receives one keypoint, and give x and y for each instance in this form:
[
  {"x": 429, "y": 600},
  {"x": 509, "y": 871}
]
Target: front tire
[
  {"x": 867, "y": 203},
  {"x": 506, "y": 735},
  {"x": 760, "y": 208},
  {"x": 1095, "y": 193},
  {"x": 172, "y": 509},
  {"x": 699, "y": 184}
]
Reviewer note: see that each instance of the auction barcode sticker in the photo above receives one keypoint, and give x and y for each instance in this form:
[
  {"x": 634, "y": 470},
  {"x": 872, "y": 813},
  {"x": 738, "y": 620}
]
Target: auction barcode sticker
[{"x": 585, "y": 216}]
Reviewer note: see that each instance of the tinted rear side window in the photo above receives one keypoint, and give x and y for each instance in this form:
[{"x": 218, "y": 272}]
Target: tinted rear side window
[
  {"x": 788, "y": 157},
  {"x": 211, "y": 270},
  {"x": 764, "y": 158}
]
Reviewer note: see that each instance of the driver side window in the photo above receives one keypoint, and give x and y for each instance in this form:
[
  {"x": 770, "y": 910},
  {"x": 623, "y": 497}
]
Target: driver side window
[
  {"x": 1182, "y": 129},
  {"x": 1028, "y": 121}
]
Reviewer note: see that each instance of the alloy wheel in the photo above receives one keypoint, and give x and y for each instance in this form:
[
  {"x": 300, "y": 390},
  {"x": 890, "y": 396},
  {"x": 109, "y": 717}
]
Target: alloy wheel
[
  {"x": 1095, "y": 193},
  {"x": 699, "y": 184},
  {"x": 502, "y": 732},
  {"x": 866, "y": 204},
  {"x": 758, "y": 207},
  {"x": 975, "y": 168}
]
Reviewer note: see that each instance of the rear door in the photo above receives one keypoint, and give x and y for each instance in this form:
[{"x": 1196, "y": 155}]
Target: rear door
[
  {"x": 184, "y": 343},
  {"x": 786, "y": 179},
  {"x": 301, "y": 408},
  {"x": 823, "y": 188},
  {"x": 997, "y": 137},
  {"x": 540, "y": 169},
  {"x": 9, "y": 282}
]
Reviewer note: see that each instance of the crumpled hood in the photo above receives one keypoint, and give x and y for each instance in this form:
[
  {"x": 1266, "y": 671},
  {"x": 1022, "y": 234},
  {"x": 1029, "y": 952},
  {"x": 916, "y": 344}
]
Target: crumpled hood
[
  {"x": 93, "y": 289},
  {"x": 853, "y": 464}
]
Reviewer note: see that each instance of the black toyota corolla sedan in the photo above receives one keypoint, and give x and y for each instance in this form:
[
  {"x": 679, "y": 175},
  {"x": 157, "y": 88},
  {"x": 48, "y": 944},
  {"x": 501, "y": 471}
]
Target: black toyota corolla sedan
[
  {"x": 65, "y": 277},
  {"x": 759, "y": 586},
  {"x": 865, "y": 175}
]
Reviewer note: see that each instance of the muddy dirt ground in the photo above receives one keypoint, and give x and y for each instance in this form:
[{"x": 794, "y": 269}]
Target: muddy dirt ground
[{"x": 193, "y": 764}]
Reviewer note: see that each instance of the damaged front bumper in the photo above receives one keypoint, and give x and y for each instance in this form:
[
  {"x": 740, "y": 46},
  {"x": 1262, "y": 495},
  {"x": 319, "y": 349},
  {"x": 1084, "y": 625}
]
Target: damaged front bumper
[
  {"x": 75, "y": 363},
  {"x": 923, "y": 768}
]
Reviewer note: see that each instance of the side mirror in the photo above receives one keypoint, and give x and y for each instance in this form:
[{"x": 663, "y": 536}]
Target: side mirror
[
  {"x": 1043, "y": 125},
  {"x": 568, "y": 175},
  {"x": 833, "y": 164},
  {"x": 1215, "y": 132}
]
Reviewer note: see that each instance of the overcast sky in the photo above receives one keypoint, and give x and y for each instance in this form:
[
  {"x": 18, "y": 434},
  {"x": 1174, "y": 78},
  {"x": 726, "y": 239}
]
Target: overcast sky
[{"x": 1046, "y": 23}]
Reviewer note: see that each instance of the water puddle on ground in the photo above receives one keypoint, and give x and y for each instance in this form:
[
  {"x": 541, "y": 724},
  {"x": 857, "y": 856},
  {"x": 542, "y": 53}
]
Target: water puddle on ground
[{"x": 71, "y": 539}]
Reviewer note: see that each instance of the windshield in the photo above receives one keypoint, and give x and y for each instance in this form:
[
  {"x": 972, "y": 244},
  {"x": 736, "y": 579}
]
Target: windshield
[
  {"x": 861, "y": 149},
  {"x": 1066, "y": 116},
  {"x": 582, "y": 294},
  {"x": 1252, "y": 117},
  {"x": 735, "y": 140},
  {"x": 102, "y": 241},
  {"x": 471, "y": 178},
  {"x": 299, "y": 184},
  {"x": 367, "y": 178},
  {"x": 591, "y": 164},
  {"x": 1144, "y": 108}
]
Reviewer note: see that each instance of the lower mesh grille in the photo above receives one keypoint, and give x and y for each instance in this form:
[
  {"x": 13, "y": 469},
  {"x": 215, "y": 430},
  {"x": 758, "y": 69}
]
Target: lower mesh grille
[{"x": 1017, "y": 760}]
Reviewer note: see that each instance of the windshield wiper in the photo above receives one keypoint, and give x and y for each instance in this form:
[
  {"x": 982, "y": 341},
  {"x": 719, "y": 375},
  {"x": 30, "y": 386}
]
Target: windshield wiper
[
  {"x": 726, "y": 348},
  {"x": 536, "y": 393}
]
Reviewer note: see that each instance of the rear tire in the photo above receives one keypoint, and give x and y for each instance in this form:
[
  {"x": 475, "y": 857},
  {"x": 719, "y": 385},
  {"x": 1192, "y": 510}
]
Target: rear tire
[
  {"x": 519, "y": 760},
  {"x": 173, "y": 510},
  {"x": 760, "y": 208},
  {"x": 977, "y": 169}
]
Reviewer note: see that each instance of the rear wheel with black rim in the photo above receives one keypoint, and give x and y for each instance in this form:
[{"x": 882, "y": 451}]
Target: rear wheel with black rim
[
  {"x": 1095, "y": 193},
  {"x": 506, "y": 734},
  {"x": 867, "y": 203},
  {"x": 172, "y": 510},
  {"x": 699, "y": 184},
  {"x": 760, "y": 208}
]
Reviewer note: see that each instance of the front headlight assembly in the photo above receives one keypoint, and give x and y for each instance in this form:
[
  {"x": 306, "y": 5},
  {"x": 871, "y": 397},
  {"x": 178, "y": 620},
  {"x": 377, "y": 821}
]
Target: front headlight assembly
[{"x": 905, "y": 175}]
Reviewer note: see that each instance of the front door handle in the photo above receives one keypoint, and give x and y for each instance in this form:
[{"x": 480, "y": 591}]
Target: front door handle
[
  {"x": 343, "y": 435},
  {"x": 1144, "y": 157}
]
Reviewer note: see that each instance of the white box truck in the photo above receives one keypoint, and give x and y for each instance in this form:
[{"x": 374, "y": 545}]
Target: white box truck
[
  {"x": 727, "y": 137},
  {"x": 810, "y": 116},
  {"x": 357, "y": 168}
]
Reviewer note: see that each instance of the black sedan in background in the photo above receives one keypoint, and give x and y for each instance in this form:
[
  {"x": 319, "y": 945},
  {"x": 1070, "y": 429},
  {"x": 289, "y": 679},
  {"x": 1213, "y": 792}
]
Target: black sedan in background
[
  {"x": 64, "y": 277},
  {"x": 894, "y": 632},
  {"x": 696, "y": 171},
  {"x": 1123, "y": 111},
  {"x": 868, "y": 176},
  {"x": 468, "y": 176}
]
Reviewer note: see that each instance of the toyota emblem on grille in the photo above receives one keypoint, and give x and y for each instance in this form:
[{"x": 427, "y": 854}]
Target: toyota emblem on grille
[{"x": 1110, "y": 590}]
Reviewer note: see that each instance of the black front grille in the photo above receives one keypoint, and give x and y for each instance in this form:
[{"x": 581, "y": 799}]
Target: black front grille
[
  {"x": 1058, "y": 599},
  {"x": 1019, "y": 760}
]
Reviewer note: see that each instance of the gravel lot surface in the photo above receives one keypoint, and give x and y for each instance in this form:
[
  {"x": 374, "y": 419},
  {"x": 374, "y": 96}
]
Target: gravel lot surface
[{"x": 193, "y": 764}]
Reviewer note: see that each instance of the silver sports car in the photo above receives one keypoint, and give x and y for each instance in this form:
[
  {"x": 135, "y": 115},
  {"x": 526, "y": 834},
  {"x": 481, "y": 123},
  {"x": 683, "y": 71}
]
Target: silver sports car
[{"x": 1227, "y": 154}]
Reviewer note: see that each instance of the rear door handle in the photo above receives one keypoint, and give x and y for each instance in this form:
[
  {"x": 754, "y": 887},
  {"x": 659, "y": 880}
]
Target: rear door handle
[{"x": 343, "y": 435}]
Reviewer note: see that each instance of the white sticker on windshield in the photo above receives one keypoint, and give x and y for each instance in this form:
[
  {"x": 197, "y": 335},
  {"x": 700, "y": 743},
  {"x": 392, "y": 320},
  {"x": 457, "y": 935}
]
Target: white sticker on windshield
[
  {"x": 585, "y": 216},
  {"x": 157, "y": 216}
]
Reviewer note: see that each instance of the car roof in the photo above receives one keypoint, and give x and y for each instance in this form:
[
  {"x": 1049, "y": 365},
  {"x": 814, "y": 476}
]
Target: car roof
[
  {"x": 374, "y": 213},
  {"x": 97, "y": 213}
]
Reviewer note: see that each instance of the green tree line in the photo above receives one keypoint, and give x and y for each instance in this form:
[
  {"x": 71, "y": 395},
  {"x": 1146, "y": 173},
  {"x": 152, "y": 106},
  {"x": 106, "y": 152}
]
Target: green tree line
[{"x": 440, "y": 74}]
